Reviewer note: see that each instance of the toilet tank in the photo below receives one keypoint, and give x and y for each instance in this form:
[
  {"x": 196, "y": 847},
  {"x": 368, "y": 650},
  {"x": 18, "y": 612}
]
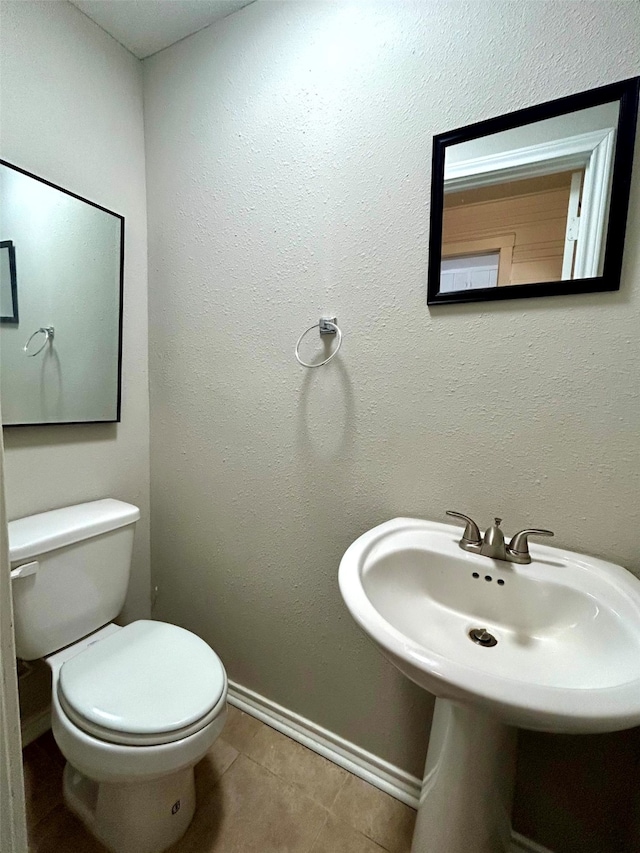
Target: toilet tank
[{"x": 69, "y": 572}]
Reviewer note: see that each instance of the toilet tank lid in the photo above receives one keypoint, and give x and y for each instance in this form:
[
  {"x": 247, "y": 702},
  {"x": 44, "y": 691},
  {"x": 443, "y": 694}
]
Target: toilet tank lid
[{"x": 37, "y": 534}]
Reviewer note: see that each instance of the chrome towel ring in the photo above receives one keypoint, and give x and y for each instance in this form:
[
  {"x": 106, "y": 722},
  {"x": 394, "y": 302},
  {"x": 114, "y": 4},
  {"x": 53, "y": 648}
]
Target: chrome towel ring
[
  {"x": 48, "y": 332},
  {"x": 326, "y": 327}
]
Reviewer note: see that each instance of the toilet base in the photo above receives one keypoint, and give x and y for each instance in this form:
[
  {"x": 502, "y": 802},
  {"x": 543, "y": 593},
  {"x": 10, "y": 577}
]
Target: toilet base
[{"x": 139, "y": 817}]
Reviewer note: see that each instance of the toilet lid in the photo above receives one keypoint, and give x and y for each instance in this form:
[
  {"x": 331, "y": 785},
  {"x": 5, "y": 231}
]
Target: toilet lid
[{"x": 148, "y": 678}]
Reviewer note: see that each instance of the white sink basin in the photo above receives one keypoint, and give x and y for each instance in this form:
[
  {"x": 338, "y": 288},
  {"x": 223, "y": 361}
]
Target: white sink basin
[{"x": 567, "y": 625}]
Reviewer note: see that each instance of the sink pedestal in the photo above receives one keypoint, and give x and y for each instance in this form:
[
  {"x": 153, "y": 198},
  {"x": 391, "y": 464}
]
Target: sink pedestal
[
  {"x": 468, "y": 783},
  {"x": 562, "y": 654}
]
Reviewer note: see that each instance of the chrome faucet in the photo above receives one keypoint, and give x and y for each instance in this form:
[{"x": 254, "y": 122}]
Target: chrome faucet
[{"x": 493, "y": 545}]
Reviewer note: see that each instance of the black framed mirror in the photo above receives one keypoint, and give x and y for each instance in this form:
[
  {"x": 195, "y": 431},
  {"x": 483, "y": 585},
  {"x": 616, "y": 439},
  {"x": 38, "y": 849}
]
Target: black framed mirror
[
  {"x": 8, "y": 283},
  {"x": 534, "y": 203},
  {"x": 61, "y": 356}
]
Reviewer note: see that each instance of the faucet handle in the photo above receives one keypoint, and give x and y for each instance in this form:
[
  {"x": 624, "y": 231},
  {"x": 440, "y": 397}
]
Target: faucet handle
[
  {"x": 471, "y": 533},
  {"x": 519, "y": 545}
]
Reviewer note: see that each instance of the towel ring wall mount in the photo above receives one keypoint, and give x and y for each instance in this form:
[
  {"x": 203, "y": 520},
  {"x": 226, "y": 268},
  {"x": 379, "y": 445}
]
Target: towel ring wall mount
[
  {"x": 49, "y": 334},
  {"x": 326, "y": 326}
]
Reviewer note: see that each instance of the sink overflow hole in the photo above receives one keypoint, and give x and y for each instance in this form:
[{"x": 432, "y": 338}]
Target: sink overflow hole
[{"x": 482, "y": 637}]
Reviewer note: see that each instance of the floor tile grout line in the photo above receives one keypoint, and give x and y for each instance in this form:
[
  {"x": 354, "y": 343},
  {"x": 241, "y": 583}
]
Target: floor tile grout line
[
  {"x": 33, "y": 825},
  {"x": 347, "y": 820},
  {"x": 340, "y": 787},
  {"x": 299, "y": 790},
  {"x": 249, "y": 742},
  {"x": 292, "y": 785},
  {"x": 306, "y": 749},
  {"x": 252, "y": 737},
  {"x": 319, "y": 833},
  {"x": 229, "y": 765}
]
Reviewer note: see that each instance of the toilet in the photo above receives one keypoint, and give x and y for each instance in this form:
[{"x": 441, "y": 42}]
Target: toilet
[{"x": 133, "y": 708}]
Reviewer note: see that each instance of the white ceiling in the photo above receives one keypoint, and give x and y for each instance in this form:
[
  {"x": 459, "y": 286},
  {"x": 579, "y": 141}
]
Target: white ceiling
[{"x": 147, "y": 26}]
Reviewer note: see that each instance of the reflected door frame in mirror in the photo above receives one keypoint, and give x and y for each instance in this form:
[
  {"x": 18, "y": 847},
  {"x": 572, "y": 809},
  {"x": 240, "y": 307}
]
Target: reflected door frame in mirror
[{"x": 606, "y": 156}]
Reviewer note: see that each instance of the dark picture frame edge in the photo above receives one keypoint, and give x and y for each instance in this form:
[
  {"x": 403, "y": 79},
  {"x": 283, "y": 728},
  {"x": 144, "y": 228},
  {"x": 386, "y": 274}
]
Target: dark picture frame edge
[
  {"x": 627, "y": 92},
  {"x": 15, "y": 317}
]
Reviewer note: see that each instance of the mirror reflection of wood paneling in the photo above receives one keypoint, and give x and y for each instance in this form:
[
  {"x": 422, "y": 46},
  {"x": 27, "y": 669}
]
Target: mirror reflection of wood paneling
[{"x": 525, "y": 221}]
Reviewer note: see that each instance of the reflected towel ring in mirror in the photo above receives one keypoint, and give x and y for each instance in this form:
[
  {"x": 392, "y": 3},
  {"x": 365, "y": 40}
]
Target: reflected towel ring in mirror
[
  {"x": 326, "y": 327},
  {"x": 48, "y": 332}
]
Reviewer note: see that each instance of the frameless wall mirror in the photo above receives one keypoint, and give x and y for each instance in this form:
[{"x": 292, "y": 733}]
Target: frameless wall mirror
[
  {"x": 534, "y": 203},
  {"x": 61, "y": 261}
]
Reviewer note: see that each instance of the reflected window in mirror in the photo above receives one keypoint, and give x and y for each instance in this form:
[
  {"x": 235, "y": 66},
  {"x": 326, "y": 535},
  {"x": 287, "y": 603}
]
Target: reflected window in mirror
[{"x": 534, "y": 203}]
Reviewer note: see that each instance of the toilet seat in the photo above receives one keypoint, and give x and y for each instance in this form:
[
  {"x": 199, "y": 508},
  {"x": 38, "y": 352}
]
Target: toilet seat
[
  {"x": 148, "y": 683},
  {"x": 132, "y": 739}
]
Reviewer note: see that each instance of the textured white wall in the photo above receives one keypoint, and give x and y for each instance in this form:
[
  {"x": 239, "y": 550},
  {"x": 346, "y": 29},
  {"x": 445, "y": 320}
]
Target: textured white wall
[
  {"x": 71, "y": 112},
  {"x": 288, "y": 157}
]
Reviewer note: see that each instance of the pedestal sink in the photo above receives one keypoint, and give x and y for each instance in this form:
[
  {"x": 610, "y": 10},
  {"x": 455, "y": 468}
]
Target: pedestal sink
[{"x": 556, "y": 648}]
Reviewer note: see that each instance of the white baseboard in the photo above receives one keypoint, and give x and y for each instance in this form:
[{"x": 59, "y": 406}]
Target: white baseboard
[
  {"x": 356, "y": 760},
  {"x": 34, "y": 726},
  {"x": 520, "y": 844},
  {"x": 383, "y": 775}
]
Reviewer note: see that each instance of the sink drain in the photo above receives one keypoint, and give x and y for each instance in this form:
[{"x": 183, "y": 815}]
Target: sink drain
[{"x": 482, "y": 637}]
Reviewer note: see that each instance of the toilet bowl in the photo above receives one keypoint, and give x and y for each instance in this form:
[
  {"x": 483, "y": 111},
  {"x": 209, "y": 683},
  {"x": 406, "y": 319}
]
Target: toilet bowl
[
  {"x": 134, "y": 708},
  {"x": 134, "y": 790}
]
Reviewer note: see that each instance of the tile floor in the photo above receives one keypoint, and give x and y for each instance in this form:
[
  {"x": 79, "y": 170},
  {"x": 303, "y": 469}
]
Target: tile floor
[{"x": 258, "y": 792}]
